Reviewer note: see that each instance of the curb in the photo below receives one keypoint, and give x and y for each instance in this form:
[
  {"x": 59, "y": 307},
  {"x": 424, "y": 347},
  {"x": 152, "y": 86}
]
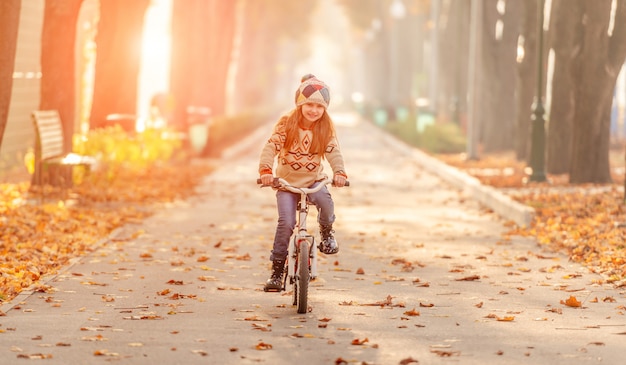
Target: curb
[{"x": 501, "y": 203}]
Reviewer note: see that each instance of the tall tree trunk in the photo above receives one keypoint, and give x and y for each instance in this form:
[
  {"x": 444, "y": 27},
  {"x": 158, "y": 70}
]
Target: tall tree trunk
[
  {"x": 118, "y": 42},
  {"x": 202, "y": 32},
  {"x": 453, "y": 73},
  {"x": 58, "y": 55},
  {"x": 565, "y": 33},
  {"x": 190, "y": 57},
  {"x": 245, "y": 84},
  {"x": 254, "y": 71},
  {"x": 9, "y": 24},
  {"x": 498, "y": 78},
  {"x": 405, "y": 63},
  {"x": 221, "y": 34},
  {"x": 526, "y": 81},
  {"x": 597, "y": 67}
]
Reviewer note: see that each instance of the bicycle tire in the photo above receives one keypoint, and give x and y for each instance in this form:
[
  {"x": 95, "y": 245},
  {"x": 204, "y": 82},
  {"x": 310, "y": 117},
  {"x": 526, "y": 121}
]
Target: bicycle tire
[{"x": 302, "y": 278}]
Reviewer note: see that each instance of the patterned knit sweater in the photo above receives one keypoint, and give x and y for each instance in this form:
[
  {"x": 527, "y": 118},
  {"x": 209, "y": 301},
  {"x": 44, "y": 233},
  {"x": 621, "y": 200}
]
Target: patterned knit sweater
[{"x": 296, "y": 164}]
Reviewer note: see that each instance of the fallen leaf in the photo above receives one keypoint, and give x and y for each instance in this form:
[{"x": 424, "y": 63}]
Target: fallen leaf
[
  {"x": 572, "y": 302},
  {"x": 105, "y": 353},
  {"x": 263, "y": 346},
  {"x": 469, "y": 278},
  {"x": 260, "y": 327},
  {"x": 446, "y": 353},
  {"x": 412, "y": 313},
  {"x": 358, "y": 342},
  {"x": 200, "y": 352},
  {"x": 388, "y": 302},
  {"x": 94, "y": 338},
  {"x": 35, "y": 356},
  {"x": 501, "y": 319}
]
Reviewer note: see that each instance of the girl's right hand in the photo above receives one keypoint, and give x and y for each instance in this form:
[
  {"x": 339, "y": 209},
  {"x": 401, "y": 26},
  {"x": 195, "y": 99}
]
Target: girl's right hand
[{"x": 267, "y": 179}]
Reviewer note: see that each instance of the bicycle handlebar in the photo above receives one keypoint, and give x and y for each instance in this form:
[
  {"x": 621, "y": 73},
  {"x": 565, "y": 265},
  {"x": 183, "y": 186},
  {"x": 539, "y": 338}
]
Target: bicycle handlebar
[{"x": 279, "y": 182}]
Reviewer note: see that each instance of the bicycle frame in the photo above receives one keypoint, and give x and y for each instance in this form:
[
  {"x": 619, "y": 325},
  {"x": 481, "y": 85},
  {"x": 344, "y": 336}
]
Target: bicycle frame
[
  {"x": 301, "y": 233},
  {"x": 300, "y": 230}
]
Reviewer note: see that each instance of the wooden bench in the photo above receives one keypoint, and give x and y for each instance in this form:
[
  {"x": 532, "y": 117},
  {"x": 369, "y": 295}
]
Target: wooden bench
[{"x": 49, "y": 150}]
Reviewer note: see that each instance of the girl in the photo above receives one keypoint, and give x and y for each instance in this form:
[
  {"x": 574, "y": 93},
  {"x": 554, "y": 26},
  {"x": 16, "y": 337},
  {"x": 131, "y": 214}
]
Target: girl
[{"x": 301, "y": 139}]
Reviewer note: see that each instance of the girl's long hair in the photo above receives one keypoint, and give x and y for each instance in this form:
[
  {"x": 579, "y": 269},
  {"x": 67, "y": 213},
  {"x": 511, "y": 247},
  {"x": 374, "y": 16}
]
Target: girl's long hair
[{"x": 323, "y": 130}]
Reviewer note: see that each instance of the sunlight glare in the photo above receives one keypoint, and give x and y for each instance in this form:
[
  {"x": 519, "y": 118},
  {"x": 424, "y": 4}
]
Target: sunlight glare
[{"x": 155, "y": 60}]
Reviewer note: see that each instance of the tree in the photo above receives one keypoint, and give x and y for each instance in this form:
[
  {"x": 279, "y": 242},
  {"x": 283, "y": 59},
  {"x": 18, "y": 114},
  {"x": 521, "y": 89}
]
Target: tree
[
  {"x": 565, "y": 35},
  {"x": 498, "y": 77},
  {"x": 597, "y": 63},
  {"x": 58, "y": 62},
  {"x": 273, "y": 37},
  {"x": 9, "y": 23},
  {"x": 526, "y": 80},
  {"x": 453, "y": 59},
  {"x": 202, "y": 38},
  {"x": 118, "y": 43}
]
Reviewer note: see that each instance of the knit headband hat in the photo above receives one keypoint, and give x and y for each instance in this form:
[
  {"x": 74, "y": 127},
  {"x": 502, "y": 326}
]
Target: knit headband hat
[{"x": 312, "y": 90}]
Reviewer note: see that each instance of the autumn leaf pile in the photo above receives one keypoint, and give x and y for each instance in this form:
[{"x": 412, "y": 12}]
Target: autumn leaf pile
[
  {"x": 589, "y": 226},
  {"x": 39, "y": 235},
  {"x": 586, "y": 222}
]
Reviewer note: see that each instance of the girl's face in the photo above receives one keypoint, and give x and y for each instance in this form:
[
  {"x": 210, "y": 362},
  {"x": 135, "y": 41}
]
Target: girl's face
[{"x": 312, "y": 111}]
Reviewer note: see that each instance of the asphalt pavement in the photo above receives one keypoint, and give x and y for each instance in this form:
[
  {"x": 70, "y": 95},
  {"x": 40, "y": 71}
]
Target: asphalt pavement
[{"x": 426, "y": 274}]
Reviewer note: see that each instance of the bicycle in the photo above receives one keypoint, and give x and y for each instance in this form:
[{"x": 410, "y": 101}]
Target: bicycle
[{"x": 302, "y": 245}]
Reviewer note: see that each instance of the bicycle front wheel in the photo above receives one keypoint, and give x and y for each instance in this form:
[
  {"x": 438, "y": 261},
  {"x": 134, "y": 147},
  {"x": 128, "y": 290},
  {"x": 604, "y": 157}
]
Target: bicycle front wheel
[{"x": 302, "y": 277}]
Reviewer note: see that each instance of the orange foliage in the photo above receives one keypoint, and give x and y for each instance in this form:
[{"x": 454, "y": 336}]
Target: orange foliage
[{"x": 38, "y": 238}]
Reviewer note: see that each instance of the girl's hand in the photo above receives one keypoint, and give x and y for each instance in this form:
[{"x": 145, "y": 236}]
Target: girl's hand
[
  {"x": 267, "y": 179},
  {"x": 339, "y": 181}
]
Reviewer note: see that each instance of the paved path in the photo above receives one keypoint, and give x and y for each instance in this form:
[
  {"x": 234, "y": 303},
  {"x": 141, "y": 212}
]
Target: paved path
[{"x": 424, "y": 273}]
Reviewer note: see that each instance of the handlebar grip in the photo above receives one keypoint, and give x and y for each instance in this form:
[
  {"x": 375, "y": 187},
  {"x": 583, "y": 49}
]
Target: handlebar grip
[
  {"x": 347, "y": 183},
  {"x": 275, "y": 183}
]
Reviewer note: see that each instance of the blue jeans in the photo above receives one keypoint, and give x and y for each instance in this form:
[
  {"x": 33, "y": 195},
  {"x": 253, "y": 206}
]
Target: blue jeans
[{"x": 287, "y": 203}]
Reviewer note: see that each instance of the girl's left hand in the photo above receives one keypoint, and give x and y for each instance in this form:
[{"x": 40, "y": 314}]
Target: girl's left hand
[{"x": 339, "y": 181}]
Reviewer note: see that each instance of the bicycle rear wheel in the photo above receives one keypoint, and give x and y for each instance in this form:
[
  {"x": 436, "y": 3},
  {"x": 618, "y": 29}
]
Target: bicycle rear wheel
[{"x": 302, "y": 277}]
